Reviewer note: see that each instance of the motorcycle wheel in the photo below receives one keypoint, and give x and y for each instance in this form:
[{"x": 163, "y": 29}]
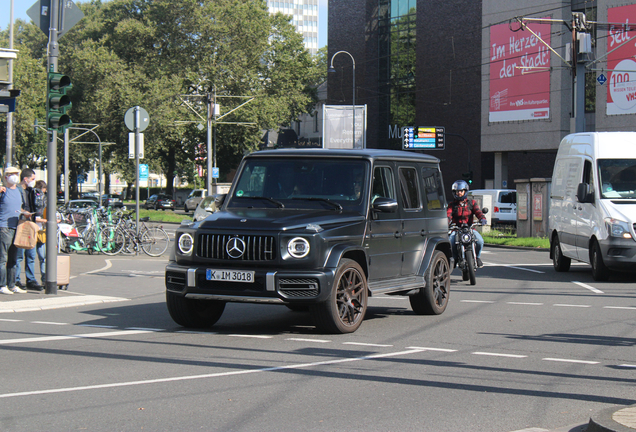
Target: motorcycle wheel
[{"x": 470, "y": 266}]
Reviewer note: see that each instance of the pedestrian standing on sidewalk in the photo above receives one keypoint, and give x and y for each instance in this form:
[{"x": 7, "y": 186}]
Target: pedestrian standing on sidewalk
[
  {"x": 28, "y": 255},
  {"x": 39, "y": 194},
  {"x": 10, "y": 210}
]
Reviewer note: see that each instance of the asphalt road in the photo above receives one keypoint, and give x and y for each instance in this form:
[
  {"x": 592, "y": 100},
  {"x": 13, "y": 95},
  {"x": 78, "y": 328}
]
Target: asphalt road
[{"x": 524, "y": 348}]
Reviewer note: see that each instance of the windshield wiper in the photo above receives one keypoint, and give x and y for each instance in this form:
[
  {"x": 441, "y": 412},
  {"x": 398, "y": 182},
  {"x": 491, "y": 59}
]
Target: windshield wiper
[
  {"x": 331, "y": 203},
  {"x": 272, "y": 200}
]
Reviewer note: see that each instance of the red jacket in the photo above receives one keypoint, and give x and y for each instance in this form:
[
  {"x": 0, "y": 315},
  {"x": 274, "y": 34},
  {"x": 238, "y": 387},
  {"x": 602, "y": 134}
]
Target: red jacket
[{"x": 460, "y": 212}]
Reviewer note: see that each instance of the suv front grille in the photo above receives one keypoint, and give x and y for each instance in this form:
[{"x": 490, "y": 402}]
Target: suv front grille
[
  {"x": 297, "y": 287},
  {"x": 257, "y": 247}
]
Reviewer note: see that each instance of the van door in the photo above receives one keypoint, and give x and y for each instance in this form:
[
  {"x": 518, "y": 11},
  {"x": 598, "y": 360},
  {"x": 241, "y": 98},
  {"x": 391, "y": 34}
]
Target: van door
[
  {"x": 384, "y": 236},
  {"x": 584, "y": 214},
  {"x": 563, "y": 203}
]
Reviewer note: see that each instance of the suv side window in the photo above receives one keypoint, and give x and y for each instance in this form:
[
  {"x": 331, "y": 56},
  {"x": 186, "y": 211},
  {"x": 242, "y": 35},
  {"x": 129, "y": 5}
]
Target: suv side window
[
  {"x": 409, "y": 188},
  {"x": 383, "y": 184},
  {"x": 433, "y": 188}
]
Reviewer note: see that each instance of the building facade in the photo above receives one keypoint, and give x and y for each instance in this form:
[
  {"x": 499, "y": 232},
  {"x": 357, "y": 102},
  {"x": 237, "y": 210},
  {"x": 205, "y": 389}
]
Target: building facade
[
  {"x": 304, "y": 15},
  {"x": 504, "y": 89}
]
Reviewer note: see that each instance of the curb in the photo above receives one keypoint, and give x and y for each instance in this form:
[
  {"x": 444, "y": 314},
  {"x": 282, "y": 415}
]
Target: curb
[{"x": 603, "y": 421}]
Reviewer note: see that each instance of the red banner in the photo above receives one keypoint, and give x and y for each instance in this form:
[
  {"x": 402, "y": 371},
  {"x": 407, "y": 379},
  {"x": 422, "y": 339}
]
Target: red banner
[
  {"x": 621, "y": 82},
  {"x": 519, "y": 73}
]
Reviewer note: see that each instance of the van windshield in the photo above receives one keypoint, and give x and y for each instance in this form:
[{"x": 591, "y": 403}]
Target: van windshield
[
  {"x": 295, "y": 183},
  {"x": 617, "y": 178}
]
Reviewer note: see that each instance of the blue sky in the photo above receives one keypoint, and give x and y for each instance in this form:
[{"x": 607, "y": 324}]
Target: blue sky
[{"x": 20, "y": 8}]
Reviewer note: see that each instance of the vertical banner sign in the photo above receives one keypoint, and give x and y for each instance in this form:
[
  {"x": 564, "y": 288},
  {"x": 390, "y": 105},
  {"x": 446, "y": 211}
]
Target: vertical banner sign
[
  {"x": 519, "y": 73},
  {"x": 337, "y": 126},
  {"x": 621, "y": 89}
]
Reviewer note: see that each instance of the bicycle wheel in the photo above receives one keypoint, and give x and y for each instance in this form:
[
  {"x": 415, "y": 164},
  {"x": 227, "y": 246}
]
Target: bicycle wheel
[
  {"x": 111, "y": 241},
  {"x": 154, "y": 241},
  {"x": 130, "y": 246}
]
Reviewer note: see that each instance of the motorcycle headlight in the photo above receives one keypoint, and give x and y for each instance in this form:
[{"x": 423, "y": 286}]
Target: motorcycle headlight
[
  {"x": 185, "y": 244},
  {"x": 618, "y": 228},
  {"x": 298, "y": 247},
  {"x": 466, "y": 237}
]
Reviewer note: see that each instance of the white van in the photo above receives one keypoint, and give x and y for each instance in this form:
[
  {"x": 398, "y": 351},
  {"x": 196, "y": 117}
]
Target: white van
[
  {"x": 593, "y": 202},
  {"x": 504, "y": 205}
]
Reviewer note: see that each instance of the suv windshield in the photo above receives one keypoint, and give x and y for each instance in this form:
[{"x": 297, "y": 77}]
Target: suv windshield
[
  {"x": 617, "y": 178},
  {"x": 290, "y": 183}
]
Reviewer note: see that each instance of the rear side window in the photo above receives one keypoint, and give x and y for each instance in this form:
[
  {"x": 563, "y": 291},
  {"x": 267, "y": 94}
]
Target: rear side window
[
  {"x": 410, "y": 188},
  {"x": 508, "y": 197},
  {"x": 433, "y": 188}
]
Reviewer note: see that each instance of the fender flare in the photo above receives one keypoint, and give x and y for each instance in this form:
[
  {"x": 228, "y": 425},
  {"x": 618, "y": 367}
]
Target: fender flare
[
  {"x": 432, "y": 245},
  {"x": 353, "y": 252}
]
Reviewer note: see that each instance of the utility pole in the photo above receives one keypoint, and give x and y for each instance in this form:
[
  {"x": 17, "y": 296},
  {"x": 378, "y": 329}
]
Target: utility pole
[{"x": 9, "y": 148}]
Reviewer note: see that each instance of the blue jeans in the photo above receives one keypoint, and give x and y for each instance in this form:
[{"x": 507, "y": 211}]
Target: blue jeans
[
  {"x": 40, "y": 249},
  {"x": 479, "y": 244},
  {"x": 29, "y": 267},
  {"x": 8, "y": 255}
]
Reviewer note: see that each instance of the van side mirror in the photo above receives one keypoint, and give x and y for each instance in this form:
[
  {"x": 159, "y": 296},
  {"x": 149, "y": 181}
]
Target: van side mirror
[{"x": 584, "y": 193}]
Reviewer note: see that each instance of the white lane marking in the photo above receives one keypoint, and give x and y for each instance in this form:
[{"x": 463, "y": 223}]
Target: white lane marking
[
  {"x": 570, "y": 361},
  {"x": 619, "y": 307},
  {"x": 525, "y": 304},
  {"x": 251, "y": 336},
  {"x": 432, "y": 349},
  {"x": 10, "y": 320},
  {"x": 106, "y": 267},
  {"x": 49, "y": 323},
  {"x": 571, "y": 305},
  {"x": 211, "y": 375},
  {"x": 367, "y": 344},
  {"x": 476, "y": 301},
  {"x": 499, "y": 354},
  {"x": 524, "y": 269},
  {"x": 627, "y": 366},
  {"x": 591, "y": 288},
  {"x": 97, "y": 326},
  {"x": 308, "y": 340},
  {"x": 145, "y": 329},
  {"x": 75, "y": 336}
]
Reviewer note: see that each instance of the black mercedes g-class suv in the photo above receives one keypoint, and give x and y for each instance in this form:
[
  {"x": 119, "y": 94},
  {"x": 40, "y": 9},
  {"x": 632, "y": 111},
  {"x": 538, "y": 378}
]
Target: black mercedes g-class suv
[{"x": 321, "y": 230}]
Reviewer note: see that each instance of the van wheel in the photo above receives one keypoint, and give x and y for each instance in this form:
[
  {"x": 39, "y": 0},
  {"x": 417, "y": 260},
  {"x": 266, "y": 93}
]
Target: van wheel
[
  {"x": 347, "y": 304},
  {"x": 194, "y": 313},
  {"x": 599, "y": 271},
  {"x": 185, "y": 208},
  {"x": 433, "y": 298},
  {"x": 560, "y": 262}
]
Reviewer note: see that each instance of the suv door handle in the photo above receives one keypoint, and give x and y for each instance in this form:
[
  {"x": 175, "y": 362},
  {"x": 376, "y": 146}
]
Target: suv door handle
[
  {"x": 423, "y": 232},
  {"x": 398, "y": 234}
]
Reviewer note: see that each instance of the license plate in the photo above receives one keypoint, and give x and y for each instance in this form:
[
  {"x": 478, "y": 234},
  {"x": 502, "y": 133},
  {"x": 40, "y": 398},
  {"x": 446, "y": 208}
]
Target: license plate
[
  {"x": 229, "y": 275},
  {"x": 505, "y": 210}
]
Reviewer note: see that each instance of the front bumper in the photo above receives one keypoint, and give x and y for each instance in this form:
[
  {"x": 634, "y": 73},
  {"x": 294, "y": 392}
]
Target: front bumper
[
  {"x": 619, "y": 253},
  {"x": 269, "y": 286}
]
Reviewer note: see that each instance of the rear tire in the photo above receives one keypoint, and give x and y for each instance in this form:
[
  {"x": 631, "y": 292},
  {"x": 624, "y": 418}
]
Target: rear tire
[
  {"x": 599, "y": 271},
  {"x": 433, "y": 298},
  {"x": 194, "y": 313},
  {"x": 560, "y": 262},
  {"x": 347, "y": 304}
]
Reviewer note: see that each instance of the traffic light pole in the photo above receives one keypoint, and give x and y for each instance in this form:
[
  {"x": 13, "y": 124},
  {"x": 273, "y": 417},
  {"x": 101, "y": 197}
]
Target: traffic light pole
[{"x": 51, "y": 164}]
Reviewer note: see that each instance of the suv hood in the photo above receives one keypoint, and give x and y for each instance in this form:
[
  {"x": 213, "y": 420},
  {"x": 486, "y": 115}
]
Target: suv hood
[{"x": 276, "y": 219}]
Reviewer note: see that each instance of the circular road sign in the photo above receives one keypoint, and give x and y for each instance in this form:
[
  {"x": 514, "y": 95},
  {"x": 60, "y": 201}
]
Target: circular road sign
[{"x": 144, "y": 119}]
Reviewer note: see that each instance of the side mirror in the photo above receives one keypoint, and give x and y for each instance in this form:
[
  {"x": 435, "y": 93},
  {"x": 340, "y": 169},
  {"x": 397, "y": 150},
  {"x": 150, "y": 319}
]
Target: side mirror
[
  {"x": 219, "y": 200},
  {"x": 485, "y": 210},
  {"x": 584, "y": 193},
  {"x": 385, "y": 205}
]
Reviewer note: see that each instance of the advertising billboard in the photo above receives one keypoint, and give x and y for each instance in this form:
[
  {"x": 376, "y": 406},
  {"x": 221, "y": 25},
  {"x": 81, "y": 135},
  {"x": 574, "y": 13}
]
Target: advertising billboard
[
  {"x": 337, "y": 126},
  {"x": 621, "y": 83},
  {"x": 519, "y": 73}
]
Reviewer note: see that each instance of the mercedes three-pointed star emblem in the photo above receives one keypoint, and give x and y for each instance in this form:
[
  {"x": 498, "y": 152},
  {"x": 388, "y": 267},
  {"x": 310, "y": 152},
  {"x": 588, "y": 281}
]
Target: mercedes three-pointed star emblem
[{"x": 235, "y": 247}]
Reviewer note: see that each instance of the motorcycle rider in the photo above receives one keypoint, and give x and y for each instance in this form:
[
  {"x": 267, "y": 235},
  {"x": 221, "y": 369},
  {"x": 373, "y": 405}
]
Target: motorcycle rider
[{"x": 461, "y": 211}]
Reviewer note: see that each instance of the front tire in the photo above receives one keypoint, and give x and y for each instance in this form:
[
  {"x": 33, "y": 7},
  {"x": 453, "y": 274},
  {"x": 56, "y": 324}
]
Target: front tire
[
  {"x": 347, "y": 304},
  {"x": 599, "y": 271},
  {"x": 470, "y": 266},
  {"x": 194, "y": 313},
  {"x": 433, "y": 298},
  {"x": 561, "y": 263}
]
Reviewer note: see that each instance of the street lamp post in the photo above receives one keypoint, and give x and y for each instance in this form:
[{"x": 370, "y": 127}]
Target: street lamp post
[{"x": 333, "y": 70}]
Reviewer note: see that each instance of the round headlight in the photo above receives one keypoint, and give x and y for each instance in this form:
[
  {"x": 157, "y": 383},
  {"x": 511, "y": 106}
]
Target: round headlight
[
  {"x": 298, "y": 247},
  {"x": 466, "y": 238},
  {"x": 186, "y": 243}
]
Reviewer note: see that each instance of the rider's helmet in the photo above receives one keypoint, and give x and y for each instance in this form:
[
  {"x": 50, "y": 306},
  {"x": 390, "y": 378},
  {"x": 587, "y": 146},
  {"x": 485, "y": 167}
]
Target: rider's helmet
[{"x": 460, "y": 185}]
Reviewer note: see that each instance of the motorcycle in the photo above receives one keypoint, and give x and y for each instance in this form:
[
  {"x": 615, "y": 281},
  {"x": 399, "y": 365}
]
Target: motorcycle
[{"x": 465, "y": 246}]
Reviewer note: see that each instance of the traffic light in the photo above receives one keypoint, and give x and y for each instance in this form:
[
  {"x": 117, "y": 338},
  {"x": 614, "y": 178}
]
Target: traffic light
[
  {"x": 468, "y": 177},
  {"x": 57, "y": 102}
]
